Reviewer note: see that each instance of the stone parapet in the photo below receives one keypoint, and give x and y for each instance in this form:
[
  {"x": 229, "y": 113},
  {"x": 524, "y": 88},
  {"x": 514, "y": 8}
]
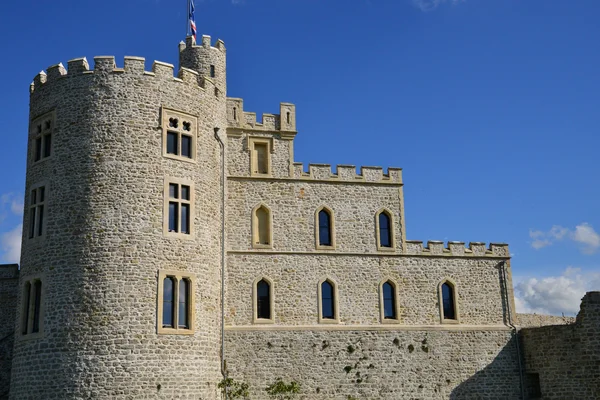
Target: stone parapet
[
  {"x": 347, "y": 173},
  {"x": 457, "y": 249}
]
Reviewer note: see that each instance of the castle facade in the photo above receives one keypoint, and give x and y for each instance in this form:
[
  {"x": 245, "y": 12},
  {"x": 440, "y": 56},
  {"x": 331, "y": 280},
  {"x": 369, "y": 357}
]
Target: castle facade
[{"x": 171, "y": 240}]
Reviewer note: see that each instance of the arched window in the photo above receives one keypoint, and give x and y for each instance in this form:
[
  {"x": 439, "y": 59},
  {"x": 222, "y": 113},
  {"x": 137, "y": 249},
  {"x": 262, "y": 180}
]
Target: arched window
[
  {"x": 184, "y": 301},
  {"x": 385, "y": 230},
  {"x": 324, "y": 220},
  {"x": 389, "y": 300},
  {"x": 263, "y": 299},
  {"x": 261, "y": 231},
  {"x": 168, "y": 302},
  {"x": 448, "y": 299},
  {"x": 327, "y": 300}
]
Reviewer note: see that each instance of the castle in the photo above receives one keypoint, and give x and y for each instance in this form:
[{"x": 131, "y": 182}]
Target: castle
[{"x": 171, "y": 240}]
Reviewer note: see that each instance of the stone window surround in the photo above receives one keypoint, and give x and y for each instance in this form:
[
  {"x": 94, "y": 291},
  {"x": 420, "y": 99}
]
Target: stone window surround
[
  {"x": 252, "y": 141},
  {"x": 378, "y": 231},
  {"x": 192, "y": 213},
  {"x": 30, "y": 206},
  {"x": 336, "y": 308},
  {"x": 255, "y": 318},
  {"x": 255, "y": 228},
  {"x": 382, "y": 305},
  {"x": 167, "y": 113},
  {"x": 452, "y": 283},
  {"x": 178, "y": 275},
  {"x": 29, "y": 323},
  {"x": 34, "y": 135},
  {"x": 331, "y": 227}
]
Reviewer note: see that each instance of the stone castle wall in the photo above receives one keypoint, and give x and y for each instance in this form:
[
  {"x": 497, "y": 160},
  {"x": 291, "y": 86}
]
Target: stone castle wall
[
  {"x": 537, "y": 320},
  {"x": 565, "y": 359},
  {"x": 363, "y": 364},
  {"x": 9, "y": 282},
  {"x": 104, "y": 243}
]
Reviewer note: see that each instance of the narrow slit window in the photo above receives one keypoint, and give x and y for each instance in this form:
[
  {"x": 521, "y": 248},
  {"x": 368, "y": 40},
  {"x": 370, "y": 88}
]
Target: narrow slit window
[
  {"x": 324, "y": 228},
  {"x": 168, "y": 302},
  {"x": 385, "y": 233},
  {"x": 262, "y": 161},
  {"x": 234, "y": 113},
  {"x": 37, "y": 201},
  {"x": 184, "y": 295},
  {"x": 38, "y": 149},
  {"x": 212, "y": 71},
  {"x": 47, "y": 144},
  {"x": 288, "y": 117},
  {"x": 327, "y": 301},
  {"x": 37, "y": 303},
  {"x": 263, "y": 229},
  {"x": 263, "y": 299},
  {"x": 448, "y": 301},
  {"x": 389, "y": 301}
]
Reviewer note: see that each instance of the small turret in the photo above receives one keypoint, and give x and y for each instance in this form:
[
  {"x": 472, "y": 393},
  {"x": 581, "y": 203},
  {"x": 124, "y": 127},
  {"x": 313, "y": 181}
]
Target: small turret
[{"x": 208, "y": 61}]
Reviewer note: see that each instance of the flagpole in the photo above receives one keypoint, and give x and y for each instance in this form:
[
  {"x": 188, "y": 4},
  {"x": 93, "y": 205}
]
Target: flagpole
[{"x": 187, "y": 18}]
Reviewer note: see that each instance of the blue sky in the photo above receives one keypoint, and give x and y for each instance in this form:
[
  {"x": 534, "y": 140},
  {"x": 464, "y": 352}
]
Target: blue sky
[{"x": 489, "y": 106}]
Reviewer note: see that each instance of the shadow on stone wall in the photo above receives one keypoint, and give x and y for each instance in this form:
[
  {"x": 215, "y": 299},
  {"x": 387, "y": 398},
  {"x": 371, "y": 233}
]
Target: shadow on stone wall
[
  {"x": 6, "y": 347},
  {"x": 491, "y": 381}
]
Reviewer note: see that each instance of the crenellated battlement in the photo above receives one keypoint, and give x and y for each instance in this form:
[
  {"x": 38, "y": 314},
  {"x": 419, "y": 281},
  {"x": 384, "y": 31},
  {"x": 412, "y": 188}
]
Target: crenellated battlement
[
  {"x": 347, "y": 173},
  {"x": 285, "y": 121},
  {"x": 457, "y": 249},
  {"x": 205, "y": 42},
  {"x": 106, "y": 65}
]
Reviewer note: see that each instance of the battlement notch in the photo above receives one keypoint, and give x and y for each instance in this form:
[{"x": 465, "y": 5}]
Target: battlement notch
[{"x": 347, "y": 173}]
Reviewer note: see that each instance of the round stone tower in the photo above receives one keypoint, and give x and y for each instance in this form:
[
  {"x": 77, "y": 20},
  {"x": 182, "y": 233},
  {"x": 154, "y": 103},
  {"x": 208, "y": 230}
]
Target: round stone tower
[{"x": 123, "y": 192}]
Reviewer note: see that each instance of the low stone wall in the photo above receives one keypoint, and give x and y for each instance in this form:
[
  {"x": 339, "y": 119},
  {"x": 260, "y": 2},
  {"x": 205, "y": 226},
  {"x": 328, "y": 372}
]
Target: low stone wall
[
  {"x": 537, "y": 320},
  {"x": 391, "y": 364},
  {"x": 9, "y": 281},
  {"x": 565, "y": 360}
]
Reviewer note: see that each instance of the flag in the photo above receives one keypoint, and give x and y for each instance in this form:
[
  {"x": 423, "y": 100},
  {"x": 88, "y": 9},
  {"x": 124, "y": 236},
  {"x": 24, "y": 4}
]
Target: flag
[{"x": 192, "y": 22}]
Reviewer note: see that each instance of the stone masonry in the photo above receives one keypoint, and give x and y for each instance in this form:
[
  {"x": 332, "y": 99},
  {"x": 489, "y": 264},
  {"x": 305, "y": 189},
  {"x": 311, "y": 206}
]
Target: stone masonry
[{"x": 105, "y": 243}]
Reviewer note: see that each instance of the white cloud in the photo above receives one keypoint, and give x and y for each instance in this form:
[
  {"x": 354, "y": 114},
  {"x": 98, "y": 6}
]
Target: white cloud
[
  {"x": 428, "y": 5},
  {"x": 10, "y": 245},
  {"x": 12, "y": 202},
  {"x": 555, "y": 295},
  {"x": 584, "y": 234}
]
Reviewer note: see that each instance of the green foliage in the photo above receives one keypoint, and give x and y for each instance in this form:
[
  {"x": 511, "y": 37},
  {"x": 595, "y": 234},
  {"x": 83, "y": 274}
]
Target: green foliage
[
  {"x": 283, "y": 391},
  {"x": 232, "y": 389}
]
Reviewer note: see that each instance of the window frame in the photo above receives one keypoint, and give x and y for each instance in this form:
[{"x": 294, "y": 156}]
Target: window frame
[
  {"x": 42, "y": 134},
  {"x": 336, "y": 304},
  {"x": 255, "y": 318},
  {"x": 27, "y": 317},
  {"x": 390, "y": 215},
  {"x": 166, "y": 115},
  {"x": 192, "y": 202},
  {"x": 319, "y": 246},
  {"x": 37, "y": 206},
  {"x": 176, "y": 329},
  {"x": 252, "y": 142},
  {"x": 382, "y": 317},
  {"x": 256, "y": 228},
  {"x": 454, "y": 288}
]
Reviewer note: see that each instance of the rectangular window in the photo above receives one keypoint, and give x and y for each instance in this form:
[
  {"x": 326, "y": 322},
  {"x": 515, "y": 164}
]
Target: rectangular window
[
  {"x": 37, "y": 200},
  {"x": 41, "y": 131},
  {"x": 178, "y": 208},
  {"x": 260, "y": 156},
  {"x": 212, "y": 71},
  {"x": 175, "y": 302},
  {"x": 179, "y": 135},
  {"x": 32, "y": 307}
]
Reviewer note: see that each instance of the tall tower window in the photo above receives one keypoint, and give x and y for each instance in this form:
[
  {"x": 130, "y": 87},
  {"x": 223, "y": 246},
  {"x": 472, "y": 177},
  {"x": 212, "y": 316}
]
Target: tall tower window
[
  {"x": 42, "y": 129},
  {"x": 212, "y": 71},
  {"x": 389, "y": 300},
  {"x": 261, "y": 227},
  {"x": 384, "y": 230},
  {"x": 263, "y": 299},
  {"x": 32, "y": 307},
  {"x": 37, "y": 201},
  {"x": 328, "y": 302},
  {"x": 448, "y": 302},
  {"x": 175, "y": 302},
  {"x": 179, "y": 135},
  {"x": 324, "y": 228},
  {"x": 179, "y": 208}
]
